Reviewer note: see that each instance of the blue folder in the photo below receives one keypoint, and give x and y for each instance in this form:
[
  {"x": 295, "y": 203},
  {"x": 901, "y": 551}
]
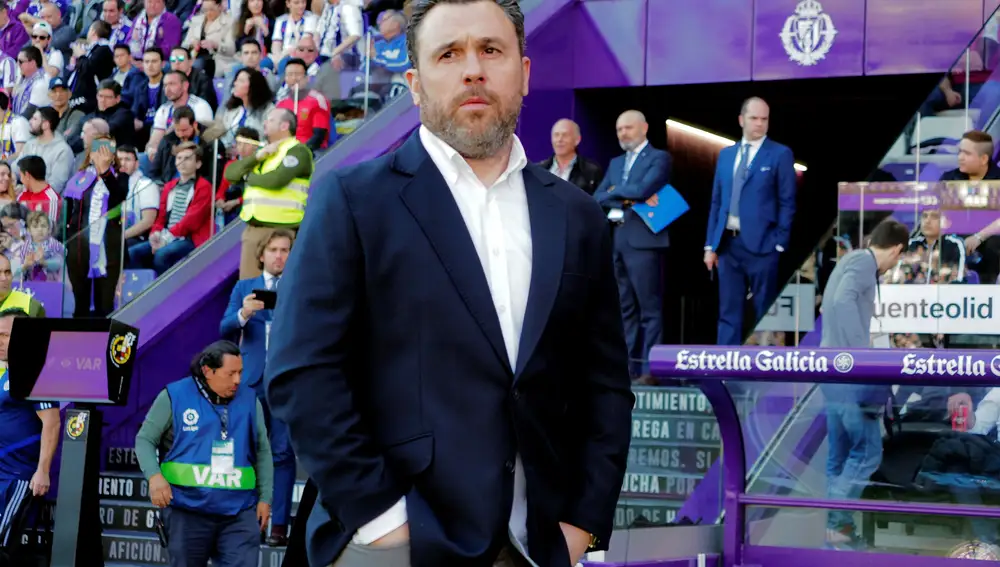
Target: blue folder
[{"x": 669, "y": 209}]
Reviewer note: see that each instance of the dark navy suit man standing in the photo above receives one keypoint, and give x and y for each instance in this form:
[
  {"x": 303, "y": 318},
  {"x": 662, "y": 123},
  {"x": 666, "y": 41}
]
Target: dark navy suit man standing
[
  {"x": 750, "y": 222},
  {"x": 634, "y": 178},
  {"x": 448, "y": 349},
  {"x": 246, "y": 316}
]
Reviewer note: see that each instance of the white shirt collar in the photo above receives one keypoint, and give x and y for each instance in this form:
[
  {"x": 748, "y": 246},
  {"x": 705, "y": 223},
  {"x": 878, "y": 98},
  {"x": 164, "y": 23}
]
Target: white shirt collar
[
  {"x": 452, "y": 164},
  {"x": 639, "y": 148},
  {"x": 755, "y": 144}
]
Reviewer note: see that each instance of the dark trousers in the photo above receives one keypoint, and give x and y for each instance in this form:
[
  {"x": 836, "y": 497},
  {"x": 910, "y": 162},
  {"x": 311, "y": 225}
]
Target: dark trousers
[
  {"x": 639, "y": 275},
  {"x": 739, "y": 269},
  {"x": 284, "y": 462},
  {"x": 229, "y": 541},
  {"x": 141, "y": 256},
  {"x": 78, "y": 267}
]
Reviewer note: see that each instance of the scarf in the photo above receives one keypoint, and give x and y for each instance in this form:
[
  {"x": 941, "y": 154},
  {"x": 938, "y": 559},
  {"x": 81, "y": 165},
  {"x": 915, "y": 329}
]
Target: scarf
[
  {"x": 50, "y": 248},
  {"x": 23, "y": 97},
  {"x": 330, "y": 24},
  {"x": 98, "y": 218},
  {"x": 144, "y": 34}
]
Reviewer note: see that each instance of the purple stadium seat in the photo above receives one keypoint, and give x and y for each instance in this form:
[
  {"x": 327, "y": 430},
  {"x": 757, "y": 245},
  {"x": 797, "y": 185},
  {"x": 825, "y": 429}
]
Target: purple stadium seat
[
  {"x": 971, "y": 277},
  {"x": 220, "y": 91},
  {"x": 349, "y": 80},
  {"x": 135, "y": 281}
]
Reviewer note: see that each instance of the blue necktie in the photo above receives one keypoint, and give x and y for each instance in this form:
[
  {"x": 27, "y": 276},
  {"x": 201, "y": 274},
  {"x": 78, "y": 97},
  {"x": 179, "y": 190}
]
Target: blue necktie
[
  {"x": 739, "y": 178},
  {"x": 629, "y": 160}
]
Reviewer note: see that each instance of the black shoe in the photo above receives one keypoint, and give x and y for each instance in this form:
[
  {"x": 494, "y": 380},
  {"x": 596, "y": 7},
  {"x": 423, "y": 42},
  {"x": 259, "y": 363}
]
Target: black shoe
[{"x": 276, "y": 541}]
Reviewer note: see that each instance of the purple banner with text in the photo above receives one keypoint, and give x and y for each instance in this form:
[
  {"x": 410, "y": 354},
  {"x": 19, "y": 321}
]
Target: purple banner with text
[
  {"x": 890, "y": 366},
  {"x": 966, "y": 207}
]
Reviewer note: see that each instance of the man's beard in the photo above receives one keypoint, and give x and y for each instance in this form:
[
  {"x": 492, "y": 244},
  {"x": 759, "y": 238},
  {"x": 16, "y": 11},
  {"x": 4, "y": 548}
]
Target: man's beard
[
  {"x": 470, "y": 141},
  {"x": 34, "y": 132},
  {"x": 628, "y": 146}
]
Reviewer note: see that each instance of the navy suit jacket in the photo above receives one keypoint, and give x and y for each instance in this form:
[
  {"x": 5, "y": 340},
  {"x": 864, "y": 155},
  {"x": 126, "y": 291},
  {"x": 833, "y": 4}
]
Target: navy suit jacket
[
  {"x": 767, "y": 202},
  {"x": 253, "y": 347},
  {"x": 389, "y": 367},
  {"x": 135, "y": 80},
  {"x": 649, "y": 173}
]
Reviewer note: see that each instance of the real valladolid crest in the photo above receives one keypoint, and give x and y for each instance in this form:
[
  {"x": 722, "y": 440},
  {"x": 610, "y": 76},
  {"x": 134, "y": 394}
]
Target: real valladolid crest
[{"x": 811, "y": 361}]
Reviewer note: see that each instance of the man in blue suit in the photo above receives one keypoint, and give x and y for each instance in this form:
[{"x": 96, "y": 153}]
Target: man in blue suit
[
  {"x": 246, "y": 316},
  {"x": 636, "y": 177},
  {"x": 448, "y": 351},
  {"x": 750, "y": 221}
]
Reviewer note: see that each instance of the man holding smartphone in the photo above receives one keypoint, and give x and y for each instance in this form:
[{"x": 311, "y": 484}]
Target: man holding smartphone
[{"x": 249, "y": 314}]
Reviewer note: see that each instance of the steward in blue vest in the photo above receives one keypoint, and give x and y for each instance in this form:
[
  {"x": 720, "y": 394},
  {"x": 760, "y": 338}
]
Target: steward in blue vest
[{"x": 215, "y": 480}]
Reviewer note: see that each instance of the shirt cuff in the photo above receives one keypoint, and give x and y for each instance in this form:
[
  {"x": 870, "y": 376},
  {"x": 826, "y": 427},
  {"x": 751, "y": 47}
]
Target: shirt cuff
[
  {"x": 241, "y": 318},
  {"x": 779, "y": 248},
  {"x": 709, "y": 249},
  {"x": 383, "y": 525}
]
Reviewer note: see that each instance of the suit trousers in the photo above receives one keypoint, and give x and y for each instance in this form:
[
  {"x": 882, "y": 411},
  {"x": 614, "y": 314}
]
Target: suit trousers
[
  {"x": 252, "y": 237},
  {"x": 399, "y": 556},
  {"x": 738, "y": 269}
]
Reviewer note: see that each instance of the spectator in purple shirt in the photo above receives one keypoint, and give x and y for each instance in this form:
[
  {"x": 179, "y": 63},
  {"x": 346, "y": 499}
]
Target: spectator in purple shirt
[
  {"x": 154, "y": 27},
  {"x": 13, "y": 36}
]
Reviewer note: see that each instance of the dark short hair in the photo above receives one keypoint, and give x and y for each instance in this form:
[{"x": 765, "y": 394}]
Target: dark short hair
[
  {"x": 51, "y": 116},
  {"x": 249, "y": 40},
  {"x": 248, "y": 133},
  {"x": 983, "y": 141},
  {"x": 128, "y": 149},
  {"x": 33, "y": 166},
  {"x": 184, "y": 78},
  {"x": 297, "y": 61},
  {"x": 213, "y": 356},
  {"x": 888, "y": 234},
  {"x": 154, "y": 50},
  {"x": 186, "y": 146},
  {"x": 289, "y": 117},
  {"x": 123, "y": 46},
  {"x": 185, "y": 113},
  {"x": 275, "y": 234},
  {"x": 110, "y": 85},
  {"x": 33, "y": 53},
  {"x": 15, "y": 312},
  {"x": 421, "y": 8},
  {"x": 102, "y": 29}
]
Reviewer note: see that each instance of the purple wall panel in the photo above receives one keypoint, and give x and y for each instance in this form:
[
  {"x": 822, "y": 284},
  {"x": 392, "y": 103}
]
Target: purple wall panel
[
  {"x": 541, "y": 110},
  {"x": 989, "y": 6},
  {"x": 676, "y": 29},
  {"x": 836, "y": 49},
  {"x": 610, "y": 44},
  {"x": 904, "y": 36},
  {"x": 551, "y": 48}
]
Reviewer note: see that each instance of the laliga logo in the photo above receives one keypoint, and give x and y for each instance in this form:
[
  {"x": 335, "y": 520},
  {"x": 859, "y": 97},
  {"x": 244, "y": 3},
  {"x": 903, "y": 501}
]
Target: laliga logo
[{"x": 121, "y": 348}]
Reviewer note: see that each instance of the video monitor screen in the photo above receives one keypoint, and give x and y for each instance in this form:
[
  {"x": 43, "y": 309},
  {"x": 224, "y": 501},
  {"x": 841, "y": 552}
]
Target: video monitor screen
[{"x": 75, "y": 368}]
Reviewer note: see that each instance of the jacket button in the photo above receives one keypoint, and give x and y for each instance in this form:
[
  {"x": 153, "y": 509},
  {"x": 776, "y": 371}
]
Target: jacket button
[
  {"x": 516, "y": 395},
  {"x": 509, "y": 465}
]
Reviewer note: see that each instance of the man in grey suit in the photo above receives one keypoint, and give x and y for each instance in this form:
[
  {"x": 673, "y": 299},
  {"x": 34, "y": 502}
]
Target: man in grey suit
[{"x": 853, "y": 413}]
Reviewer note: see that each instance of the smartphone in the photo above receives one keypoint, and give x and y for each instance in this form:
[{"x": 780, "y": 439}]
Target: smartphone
[
  {"x": 98, "y": 144},
  {"x": 269, "y": 297}
]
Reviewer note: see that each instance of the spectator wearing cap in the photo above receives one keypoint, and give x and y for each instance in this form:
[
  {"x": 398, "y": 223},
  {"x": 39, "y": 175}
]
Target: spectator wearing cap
[
  {"x": 69, "y": 118},
  {"x": 13, "y": 36},
  {"x": 115, "y": 112},
  {"x": 89, "y": 65},
  {"x": 62, "y": 35},
  {"x": 52, "y": 59},
  {"x": 47, "y": 143}
]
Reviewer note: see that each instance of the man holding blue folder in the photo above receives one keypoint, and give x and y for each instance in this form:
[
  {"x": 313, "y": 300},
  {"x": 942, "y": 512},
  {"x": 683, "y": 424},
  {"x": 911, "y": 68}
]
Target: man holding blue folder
[
  {"x": 635, "y": 178},
  {"x": 750, "y": 220}
]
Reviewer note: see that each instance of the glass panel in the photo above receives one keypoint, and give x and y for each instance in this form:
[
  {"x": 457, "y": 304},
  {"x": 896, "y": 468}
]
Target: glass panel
[
  {"x": 910, "y": 534},
  {"x": 675, "y": 442}
]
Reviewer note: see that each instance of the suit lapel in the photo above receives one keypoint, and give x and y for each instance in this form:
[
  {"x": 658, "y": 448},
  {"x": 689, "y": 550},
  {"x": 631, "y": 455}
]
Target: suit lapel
[
  {"x": 758, "y": 159},
  {"x": 547, "y": 214},
  {"x": 432, "y": 205}
]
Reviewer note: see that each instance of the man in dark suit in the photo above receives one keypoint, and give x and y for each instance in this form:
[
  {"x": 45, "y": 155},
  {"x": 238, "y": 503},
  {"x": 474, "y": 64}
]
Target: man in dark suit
[
  {"x": 91, "y": 65},
  {"x": 247, "y": 316},
  {"x": 750, "y": 220},
  {"x": 448, "y": 354},
  {"x": 636, "y": 177},
  {"x": 568, "y": 164}
]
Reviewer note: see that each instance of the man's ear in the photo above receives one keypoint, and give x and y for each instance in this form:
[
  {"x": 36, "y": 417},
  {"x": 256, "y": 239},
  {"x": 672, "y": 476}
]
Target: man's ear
[{"x": 413, "y": 81}]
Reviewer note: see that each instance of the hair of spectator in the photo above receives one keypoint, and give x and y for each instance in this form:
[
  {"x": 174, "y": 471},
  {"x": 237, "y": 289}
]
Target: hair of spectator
[
  {"x": 35, "y": 216},
  {"x": 248, "y": 40},
  {"x": 888, "y": 234},
  {"x": 154, "y": 50},
  {"x": 420, "y": 9},
  {"x": 746, "y": 104},
  {"x": 120, "y": 4},
  {"x": 50, "y": 115},
  {"x": 101, "y": 29},
  {"x": 398, "y": 16},
  {"x": 181, "y": 74},
  {"x": 183, "y": 49},
  {"x": 297, "y": 61},
  {"x": 128, "y": 149},
  {"x": 123, "y": 46},
  {"x": 33, "y": 166},
  {"x": 187, "y": 146},
  {"x": 100, "y": 127},
  {"x": 33, "y": 53},
  {"x": 212, "y": 357},
  {"x": 185, "y": 113},
  {"x": 248, "y": 133},
  {"x": 15, "y": 312},
  {"x": 110, "y": 85},
  {"x": 983, "y": 141},
  {"x": 4, "y": 99},
  {"x": 278, "y": 233},
  {"x": 287, "y": 116},
  {"x": 259, "y": 93},
  {"x": 15, "y": 211}
]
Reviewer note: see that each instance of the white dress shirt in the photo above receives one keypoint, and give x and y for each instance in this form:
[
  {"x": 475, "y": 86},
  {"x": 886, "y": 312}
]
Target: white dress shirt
[
  {"x": 499, "y": 226},
  {"x": 733, "y": 222},
  {"x": 269, "y": 280}
]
